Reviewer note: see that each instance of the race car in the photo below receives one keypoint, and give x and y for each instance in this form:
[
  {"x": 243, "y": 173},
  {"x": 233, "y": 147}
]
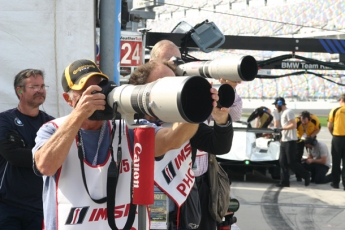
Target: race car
[{"x": 253, "y": 148}]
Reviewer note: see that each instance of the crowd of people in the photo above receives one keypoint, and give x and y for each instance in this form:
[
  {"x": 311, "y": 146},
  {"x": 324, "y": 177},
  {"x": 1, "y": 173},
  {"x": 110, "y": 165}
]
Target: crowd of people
[
  {"x": 62, "y": 163},
  {"x": 299, "y": 135},
  {"x": 55, "y": 172}
]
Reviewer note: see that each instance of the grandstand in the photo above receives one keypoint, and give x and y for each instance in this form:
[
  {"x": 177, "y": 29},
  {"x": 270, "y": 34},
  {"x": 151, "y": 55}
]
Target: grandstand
[{"x": 278, "y": 18}]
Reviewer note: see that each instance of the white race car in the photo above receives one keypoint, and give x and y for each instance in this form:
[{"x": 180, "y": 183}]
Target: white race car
[{"x": 251, "y": 150}]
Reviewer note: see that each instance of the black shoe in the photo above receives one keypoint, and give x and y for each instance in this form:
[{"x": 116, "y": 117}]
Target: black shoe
[
  {"x": 299, "y": 179},
  {"x": 334, "y": 185},
  {"x": 281, "y": 185},
  {"x": 307, "y": 180}
]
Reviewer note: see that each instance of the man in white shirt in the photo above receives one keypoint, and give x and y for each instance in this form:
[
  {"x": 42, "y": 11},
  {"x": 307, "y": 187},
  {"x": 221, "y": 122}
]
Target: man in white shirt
[
  {"x": 318, "y": 161},
  {"x": 288, "y": 146}
]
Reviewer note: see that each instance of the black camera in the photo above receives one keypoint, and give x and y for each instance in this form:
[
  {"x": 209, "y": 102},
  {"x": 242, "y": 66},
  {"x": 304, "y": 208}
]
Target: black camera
[
  {"x": 230, "y": 219},
  {"x": 107, "y": 113}
]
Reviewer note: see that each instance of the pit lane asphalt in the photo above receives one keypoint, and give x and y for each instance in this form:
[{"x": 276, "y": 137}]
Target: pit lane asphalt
[{"x": 265, "y": 206}]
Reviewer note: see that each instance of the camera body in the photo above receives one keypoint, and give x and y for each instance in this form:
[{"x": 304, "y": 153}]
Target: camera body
[{"x": 107, "y": 113}]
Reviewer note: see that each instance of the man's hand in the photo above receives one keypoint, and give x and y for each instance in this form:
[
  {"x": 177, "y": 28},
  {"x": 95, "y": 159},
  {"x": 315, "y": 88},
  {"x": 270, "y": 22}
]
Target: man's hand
[
  {"x": 14, "y": 137},
  {"x": 220, "y": 115},
  {"x": 309, "y": 161},
  {"x": 90, "y": 102},
  {"x": 214, "y": 95},
  {"x": 277, "y": 130},
  {"x": 229, "y": 82}
]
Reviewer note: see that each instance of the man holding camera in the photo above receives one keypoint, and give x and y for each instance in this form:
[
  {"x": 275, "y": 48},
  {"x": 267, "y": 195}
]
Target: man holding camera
[
  {"x": 73, "y": 153},
  {"x": 308, "y": 125},
  {"x": 318, "y": 161},
  {"x": 164, "y": 50},
  {"x": 207, "y": 139},
  {"x": 21, "y": 190}
]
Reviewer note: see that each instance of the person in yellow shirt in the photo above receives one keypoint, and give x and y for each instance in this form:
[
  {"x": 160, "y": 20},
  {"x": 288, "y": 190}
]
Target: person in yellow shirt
[
  {"x": 307, "y": 125},
  {"x": 336, "y": 126}
]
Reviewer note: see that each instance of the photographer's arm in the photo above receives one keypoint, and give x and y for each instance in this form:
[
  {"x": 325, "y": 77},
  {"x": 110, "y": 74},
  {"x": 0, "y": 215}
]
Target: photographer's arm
[
  {"x": 172, "y": 138},
  {"x": 50, "y": 156},
  {"x": 216, "y": 139}
]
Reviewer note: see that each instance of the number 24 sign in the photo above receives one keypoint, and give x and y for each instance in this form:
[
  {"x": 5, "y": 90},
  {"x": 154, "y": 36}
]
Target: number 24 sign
[{"x": 131, "y": 53}]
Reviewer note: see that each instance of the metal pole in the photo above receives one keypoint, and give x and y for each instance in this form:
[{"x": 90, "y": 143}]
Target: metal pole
[
  {"x": 141, "y": 217},
  {"x": 110, "y": 35},
  {"x": 144, "y": 32}
]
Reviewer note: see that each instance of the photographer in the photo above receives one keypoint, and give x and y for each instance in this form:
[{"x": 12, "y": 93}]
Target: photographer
[
  {"x": 165, "y": 49},
  {"x": 318, "y": 161},
  {"x": 21, "y": 190},
  {"x": 207, "y": 139},
  {"x": 308, "y": 125},
  {"x": 73, "y": 154}
]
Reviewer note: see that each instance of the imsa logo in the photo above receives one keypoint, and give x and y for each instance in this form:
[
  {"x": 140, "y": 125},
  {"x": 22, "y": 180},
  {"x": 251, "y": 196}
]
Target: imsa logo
[
  {"x": 169, "y": 172},
  {"x": 76, "y": 215}
]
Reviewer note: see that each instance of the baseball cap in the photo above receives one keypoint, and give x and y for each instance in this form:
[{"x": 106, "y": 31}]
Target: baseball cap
[
  {"x": 78, "y": 72},
  {"x": 342, "y": 97},
  {"x": 279, "y": 101}
]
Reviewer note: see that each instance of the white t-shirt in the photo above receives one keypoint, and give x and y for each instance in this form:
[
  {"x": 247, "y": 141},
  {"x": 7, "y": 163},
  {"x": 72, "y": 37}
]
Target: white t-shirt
[
  {"x": 320, "y": 150},
  {"x": 291, "y": 134}
]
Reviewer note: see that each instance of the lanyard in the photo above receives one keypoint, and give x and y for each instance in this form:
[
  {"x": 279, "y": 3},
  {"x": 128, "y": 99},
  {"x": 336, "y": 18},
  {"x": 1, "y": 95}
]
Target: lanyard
[{"x": 100, "y": 139}]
